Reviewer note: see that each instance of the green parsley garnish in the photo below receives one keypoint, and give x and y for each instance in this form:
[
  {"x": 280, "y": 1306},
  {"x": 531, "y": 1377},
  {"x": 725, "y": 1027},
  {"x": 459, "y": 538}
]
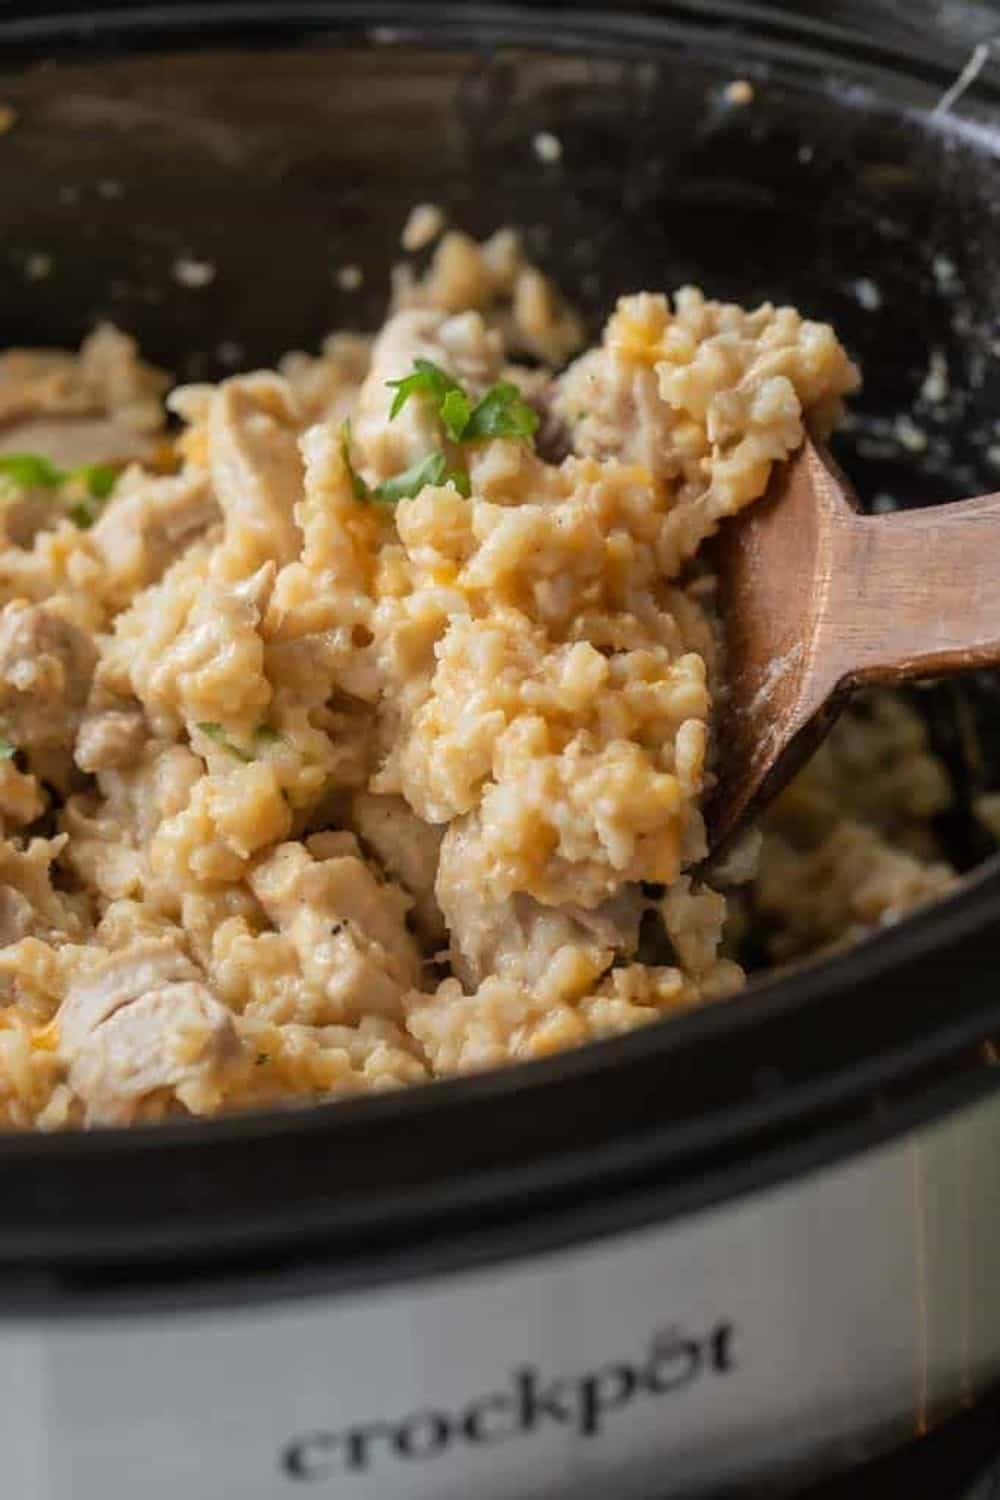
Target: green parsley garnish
[
  {"x": 264, "y": 734},
  {"x": 100, "y": 479},
  {"x": 459, "y": 477},
  {"x": 35, "y": 471},
  {"x": 455, "y": 411},
  {"x": 361, "y": 491},
  {"x": 432, "y": 469},
  {"x": 7, "y": 750},
  {"x": 427, "y": 379},
  {"x": 218, "y": 734},
  {"x": 31, "y": 471},
  {"x": 502, "y": 411}
]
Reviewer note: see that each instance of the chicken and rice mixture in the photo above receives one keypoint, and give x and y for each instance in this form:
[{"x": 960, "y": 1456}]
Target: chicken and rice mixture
[{"x": 357, "y": 715}]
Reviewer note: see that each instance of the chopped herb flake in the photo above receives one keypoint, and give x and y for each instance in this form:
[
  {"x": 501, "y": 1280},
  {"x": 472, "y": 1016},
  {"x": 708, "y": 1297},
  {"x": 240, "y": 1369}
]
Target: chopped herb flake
[
  {"x": 358, "y": 485},
  {"x": 218, "y": 734},
  {"x": 100, "y": 479},
  {"x": 83, "y": 514},
  {"x": 7, "y": 750},
  {"x": 31, "y": 470},
  {"x": 502, "y": 413},
  {"x": 455, "y": 411},
  {"x": 35, "y": 471},
  {"x": 460, "y": 479},
  {"x": 427, "y": 379},
  {"x": 432, "y": 469},
  {"x": 267, "y": 734}
]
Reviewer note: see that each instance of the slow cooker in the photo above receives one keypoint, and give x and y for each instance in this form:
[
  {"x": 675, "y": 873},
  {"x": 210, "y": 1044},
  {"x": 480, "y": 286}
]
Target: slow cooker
[{"x": 739, "y": 1253}]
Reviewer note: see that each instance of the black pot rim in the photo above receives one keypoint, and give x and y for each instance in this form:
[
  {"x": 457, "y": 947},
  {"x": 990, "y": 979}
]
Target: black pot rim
[
  {"x": 756, "y": 30},
  {"x": 51, "y": 1181},
  {"x": 515, "y": 1143}
]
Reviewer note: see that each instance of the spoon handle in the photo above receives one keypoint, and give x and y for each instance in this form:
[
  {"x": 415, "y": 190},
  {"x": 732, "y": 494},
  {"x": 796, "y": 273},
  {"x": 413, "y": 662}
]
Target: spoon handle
[{"x": 915, "y": 594}]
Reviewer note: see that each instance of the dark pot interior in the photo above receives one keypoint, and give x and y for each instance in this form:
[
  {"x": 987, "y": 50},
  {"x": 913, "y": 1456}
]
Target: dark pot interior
[{"x": 280, "y": 143}]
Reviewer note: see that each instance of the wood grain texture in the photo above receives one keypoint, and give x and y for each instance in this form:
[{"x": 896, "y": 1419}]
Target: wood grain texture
[{"x": 817, "y": 599}]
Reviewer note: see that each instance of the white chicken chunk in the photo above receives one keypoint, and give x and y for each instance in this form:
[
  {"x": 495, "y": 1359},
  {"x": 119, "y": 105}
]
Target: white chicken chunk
[
  {"x": 46, "y": 665},
  {"x": 109, "y": 738},
  {"x": 149, "y": 523},
  {"x": 256, "y": 469},
  {"x": 614, "y": 409},
  {"x": 518, "y": 938},
  {"x": 407, "y": 848},
  {"x": 140, "y": 1021},
  {"x": 105, "y": 380},
  {"x": 16, "y": 915},
  {"x": 347, "y": 928},
  {"x": 73, "y": 442},
  {"x": 119, "y": 979},
  {"x": 177, "y": 1037}
]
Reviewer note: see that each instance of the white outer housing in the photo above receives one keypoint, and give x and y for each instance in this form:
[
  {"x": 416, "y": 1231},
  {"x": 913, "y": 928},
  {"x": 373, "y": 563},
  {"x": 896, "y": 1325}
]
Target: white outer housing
[{"x": 798, "y": 1324}]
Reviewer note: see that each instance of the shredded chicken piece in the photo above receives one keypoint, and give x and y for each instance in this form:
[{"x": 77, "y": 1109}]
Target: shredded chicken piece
[
  {"x": 109, "y": 737},
  {"x": 256, "y": 470},
  {"x": 72, "y": 442},
  {"x": 348, "y": 930},
  {"x": 119, "y": 979},
  {"x": 148, "y": 524},
  {"x": 518, "y": 937},
  {"x": 176, "y": 1038},
  {"x": 46, "y": 665},
  {"x": 407, "y": 848},
  {"x": 107, "y": 378}
]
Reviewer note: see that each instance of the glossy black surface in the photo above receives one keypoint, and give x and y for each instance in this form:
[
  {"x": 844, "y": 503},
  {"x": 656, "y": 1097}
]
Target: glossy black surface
[{"x": 281, "y": 142}]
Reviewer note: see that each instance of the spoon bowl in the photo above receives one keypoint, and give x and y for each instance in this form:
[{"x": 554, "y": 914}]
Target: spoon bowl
[{"x": 817, "y": 599}]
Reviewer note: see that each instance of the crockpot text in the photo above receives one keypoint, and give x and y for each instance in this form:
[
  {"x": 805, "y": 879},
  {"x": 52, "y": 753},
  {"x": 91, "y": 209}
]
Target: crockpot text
[{"x": 582, "y": 1404}]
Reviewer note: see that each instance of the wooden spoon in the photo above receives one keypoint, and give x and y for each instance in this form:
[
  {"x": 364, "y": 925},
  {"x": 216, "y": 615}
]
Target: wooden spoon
[{"x": 817, "y": 599}]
